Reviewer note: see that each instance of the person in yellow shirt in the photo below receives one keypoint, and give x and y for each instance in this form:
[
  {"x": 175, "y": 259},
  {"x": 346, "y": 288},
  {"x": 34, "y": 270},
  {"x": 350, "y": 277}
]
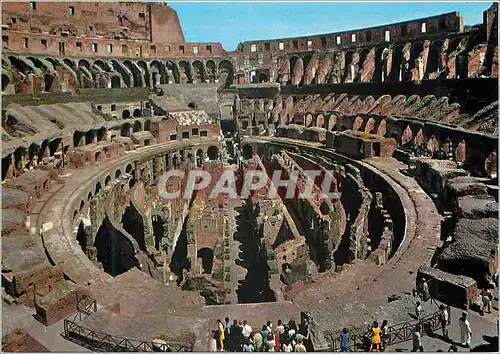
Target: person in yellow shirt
[
  {"x": 375, "y": 337},
  {"x": 221, "y": 334}
]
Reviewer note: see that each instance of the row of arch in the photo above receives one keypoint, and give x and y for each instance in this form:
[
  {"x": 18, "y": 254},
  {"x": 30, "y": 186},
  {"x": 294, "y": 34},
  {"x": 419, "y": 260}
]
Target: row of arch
[
  {"x": 391, "y": 63},
  {"x": 113, "y": 73},
  {"x": 410, "y": 135}
]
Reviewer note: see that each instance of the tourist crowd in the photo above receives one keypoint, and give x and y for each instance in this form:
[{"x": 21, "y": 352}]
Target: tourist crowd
[{"x": 241, "y": 337}]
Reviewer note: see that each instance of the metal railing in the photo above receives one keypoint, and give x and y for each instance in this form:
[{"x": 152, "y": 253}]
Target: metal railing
[
  {"x": 395, "y": 334},
  {"x": 102, "y": 342}
]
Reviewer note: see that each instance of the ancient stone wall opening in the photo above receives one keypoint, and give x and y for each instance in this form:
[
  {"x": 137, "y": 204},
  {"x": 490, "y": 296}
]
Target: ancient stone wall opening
[
  {"x": 207, "y": 257},
  {"x": 114, "y": 251}
]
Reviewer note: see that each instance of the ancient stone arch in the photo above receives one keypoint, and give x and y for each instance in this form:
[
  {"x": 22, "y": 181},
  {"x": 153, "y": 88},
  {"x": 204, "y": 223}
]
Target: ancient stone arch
[
  {"x": 358, "y": 122},
  {"x": 406, "y": 138},
  {"x": 370, "y": 125}
]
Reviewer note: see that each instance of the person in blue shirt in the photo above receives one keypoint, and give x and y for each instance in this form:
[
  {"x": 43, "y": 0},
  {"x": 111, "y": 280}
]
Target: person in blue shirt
[
  {"x": 344, "y": 340},
  {"x": 417, "y": 342}
]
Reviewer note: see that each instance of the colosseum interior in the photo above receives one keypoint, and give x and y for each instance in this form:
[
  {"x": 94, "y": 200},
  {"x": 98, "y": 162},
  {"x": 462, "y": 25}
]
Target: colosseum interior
[{"x": 100, "y": 100}]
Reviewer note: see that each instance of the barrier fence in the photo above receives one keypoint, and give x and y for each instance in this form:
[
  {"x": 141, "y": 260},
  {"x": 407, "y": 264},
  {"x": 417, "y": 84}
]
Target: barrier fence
[
  {"x": 102, "y": 342},
  {"x": 395, "y": 334}
]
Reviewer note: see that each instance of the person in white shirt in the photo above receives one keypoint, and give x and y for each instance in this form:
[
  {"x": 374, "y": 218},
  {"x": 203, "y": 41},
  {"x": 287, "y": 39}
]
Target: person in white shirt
[
  {"x": 465, "y": 330},
  {"x": 444, "y": 319},
  {"x": 247, "y": 330},
  {"x": 300, "y": 347},
  {"x": 418, "y": 310},
  {"x": 280, "y": 327},
  {"x": 287, "y": 347}
]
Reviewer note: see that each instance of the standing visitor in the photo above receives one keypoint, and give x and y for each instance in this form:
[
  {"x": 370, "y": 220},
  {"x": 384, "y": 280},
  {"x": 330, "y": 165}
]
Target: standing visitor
[
  {"x": 271, "y": 342},
  {"x": 227, "y": 334},
  {"x": 444, "y": 319},
  {"x": 221, "y": 334},
  {"x": 247, "y": 330},
  {"x": 277, "y": 342},
  {"x": 375, "y": 337},
  {"x": 236, "y": 337},
  {"x": 269, "y": 325},
  {"x": 465, "y": 330},
  {"x": 425, "y": 290},
  {"x": 418, "y": 310},
  {"x": 384, "y": 335},
  {"x": 486, "y": 297},
  {"x": 280, "y": 327},
  {"x": 266, "y": 334},
  {"x": 417, "y": 339},
  {"x": 344, "y": 340}
]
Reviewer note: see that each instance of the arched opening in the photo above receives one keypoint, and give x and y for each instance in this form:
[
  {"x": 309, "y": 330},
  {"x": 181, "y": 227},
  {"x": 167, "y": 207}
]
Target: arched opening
[
  {"x": 126, "y": 114},
  {"x": 198, "y": 72},
  {"x": 358, "y": 122},
  {"x": 128, "y": 169},
  {"x": 226, "y": 73},
  {"x": 158, "y": 73},
  {"x": 416, "y": 60},
  {"x": 133, "y": 224},
  {"x": 207, "y": 259},
  {"x": 320, "y": 121},
  {"x": 98, "y": 187},
  {"x": 84, "y": 63},
  {"x": 48, "y": 81},
  {"x": 143, "y": 69},
  {"x": 396, "y": 66},
  {"x": 199, "y": 157},
  {"x": 137, "y": 126},
  {"x": 101, "y": 134},
  {"x": 247, "y": 152},
  {"x": 89, "y": 196},
  {"x": 125, "y": 131},
  {"x": 116, "y": 82},
  {"x": 434, "y": 62},
  {"x": 309, "y": 120},
  {"x": 107, "y": 180},
  {"x": 172, "y": 72},
  {"x": 332, "y": 122},
  {"x": 137, "y": 113},
  {"x": 407, "y": 137},
  {"x": 114, "y": 251},
  {"x": 349, "y": 68},
  {"x": 192, "y": 105},
  {"x": 370, "y": 125},
  {"x": 138, "y": 78},
  {"x": 119, "y": 68},
  {"x": 210, "y": 71},
  {"x": 89, "y": 137},
  {"x": 118, "y": 174},
  {"x": 82, "y": 204},
  {"x": 213, "y": 153},
  {"x": 185, "y": 72},
  {"x": 382, "y": 128},
  {"x": 78, "y": 138}
]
